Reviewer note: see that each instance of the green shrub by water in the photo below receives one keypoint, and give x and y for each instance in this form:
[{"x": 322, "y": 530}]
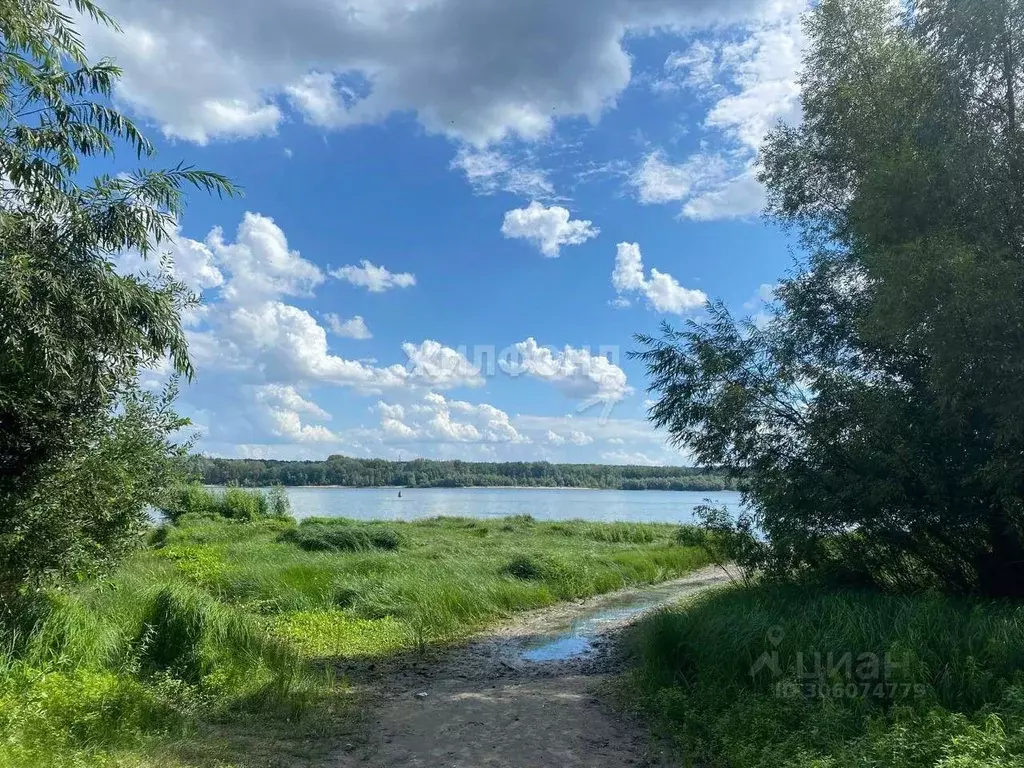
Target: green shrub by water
[
  {"x": 952, "y": 695},
  {"x": 209, "y": 645},
  {"x": 242, "y": 504}
]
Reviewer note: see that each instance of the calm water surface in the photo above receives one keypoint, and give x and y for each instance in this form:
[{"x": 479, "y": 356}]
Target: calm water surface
[
  {"x": 543, "y": 504},
  {"x": 577, "y": 636}
]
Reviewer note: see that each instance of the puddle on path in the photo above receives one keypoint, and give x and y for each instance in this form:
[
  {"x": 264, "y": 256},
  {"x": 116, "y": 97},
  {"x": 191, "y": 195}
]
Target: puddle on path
[{"x": 577, "y": 637}]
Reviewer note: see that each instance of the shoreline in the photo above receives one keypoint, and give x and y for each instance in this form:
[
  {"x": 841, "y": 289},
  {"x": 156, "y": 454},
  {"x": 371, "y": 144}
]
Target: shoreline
[{"x": 482, "y": 488}]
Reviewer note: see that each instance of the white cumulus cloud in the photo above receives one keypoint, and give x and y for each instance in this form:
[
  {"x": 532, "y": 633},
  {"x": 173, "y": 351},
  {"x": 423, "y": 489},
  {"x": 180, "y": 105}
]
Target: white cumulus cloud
[
  {"x": 435, "y": 419},
  {"x": 635, "y": 441},
  {"x": 635, "y": 459},
  {"x": 375, "y": 279},
  {"x": 658, "y": 181},
  {"x": 282, "y": 408},
  {"x": 547, "y": 228},
  {"x": 553, "y": 438},
  {"x": 432, "y": 364},
  {"x": 260, "y": 263},
  {"x": 247, "y": 330},
  {"x": 662, "y": 291},
  {"x": 353, "y": 328},
  {"x": 750, "y": 82},
  {"x": 575, "y": 372},
  {"x": 479, "y": 71},
  {"x": 187, "y": 261}
]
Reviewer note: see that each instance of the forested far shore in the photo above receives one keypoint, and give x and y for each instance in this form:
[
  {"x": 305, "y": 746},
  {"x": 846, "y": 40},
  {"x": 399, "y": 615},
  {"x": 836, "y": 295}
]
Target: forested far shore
[{"x": 425, "y": 473}]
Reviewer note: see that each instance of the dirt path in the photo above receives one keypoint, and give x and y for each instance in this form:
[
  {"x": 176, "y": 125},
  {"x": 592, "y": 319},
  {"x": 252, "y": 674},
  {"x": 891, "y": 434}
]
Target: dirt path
[{"x": 521, "y": 696}]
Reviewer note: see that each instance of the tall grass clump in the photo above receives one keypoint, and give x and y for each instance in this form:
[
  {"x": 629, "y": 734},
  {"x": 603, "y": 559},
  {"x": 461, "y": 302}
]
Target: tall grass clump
[
  {"x": 535, "y": 568},
  {"x": 624, "y": 533},
  {"x": 118, "y": 666},
  {"x": 190, "y": 636},
  {"x": 799, "y": 678},
  {"x": 315, "y": 535}
]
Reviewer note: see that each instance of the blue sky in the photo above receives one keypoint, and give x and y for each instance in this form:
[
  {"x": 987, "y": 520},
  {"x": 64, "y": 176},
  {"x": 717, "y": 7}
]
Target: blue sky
[{"x": 457, "y": 213}]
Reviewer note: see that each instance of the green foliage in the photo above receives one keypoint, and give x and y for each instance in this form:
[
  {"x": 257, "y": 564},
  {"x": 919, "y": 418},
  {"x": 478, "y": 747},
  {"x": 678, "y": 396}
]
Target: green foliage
[
  {"x": 82, "y": 451},
  {"x": 172, "y": 636},
  {"x": 111, "y": 667},
  {"x": 278, "y": 503},
  {"x": 690, "y": 536},
  {"x": 239, "y": 504},
  {"x": 876, "y": 421},
  {"x": 341, "y": 536},
  {"x": 519, "y": 520},
  {"x": 222, "y": 627},
  {"x": 52, "y": 717},
  {"x": 534, "y": 568},
  {"x": 424, "y": 473},
  {"x": 947, "y": 690},
  {"x": 443, "y": 580},
  {"x": 623, "y": 533},
  {"x": 87, "y": 511}
]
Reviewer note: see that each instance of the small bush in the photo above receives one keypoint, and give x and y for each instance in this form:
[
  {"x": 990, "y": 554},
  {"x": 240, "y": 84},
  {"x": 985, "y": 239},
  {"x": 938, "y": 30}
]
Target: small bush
[
  {"x": 245, "y": 505},
  {"x": 280, "y": 505},
  {"x": 533, "y": 568},
  {"x": 514, "y": 523},
  {"x": 385, "y": 538},
  {"x": 344, "y": 537},
  {"x": 157, "y": 537},
  {"x": 241, "y": 504},
  {"x": 193, "y": 499}
]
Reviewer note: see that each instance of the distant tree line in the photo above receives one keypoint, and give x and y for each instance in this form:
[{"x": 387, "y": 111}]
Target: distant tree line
[{"x": 424, "y": 473}]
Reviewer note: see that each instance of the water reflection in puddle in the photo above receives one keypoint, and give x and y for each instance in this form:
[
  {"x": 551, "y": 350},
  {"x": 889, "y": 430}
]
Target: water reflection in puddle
[
  {"x": 555, "y": 650},
  {"x": 577, "y": 637}
]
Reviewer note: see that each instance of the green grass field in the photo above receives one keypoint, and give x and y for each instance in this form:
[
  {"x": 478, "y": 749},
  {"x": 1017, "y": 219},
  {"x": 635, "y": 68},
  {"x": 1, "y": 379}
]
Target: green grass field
[
  {"x": 850, "y": 680},
  {"x": 217, "y": 644}
]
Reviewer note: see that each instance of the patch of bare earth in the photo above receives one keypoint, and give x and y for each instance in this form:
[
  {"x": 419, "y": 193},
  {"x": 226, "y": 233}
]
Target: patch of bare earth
[{"x": 482, "y": 704}]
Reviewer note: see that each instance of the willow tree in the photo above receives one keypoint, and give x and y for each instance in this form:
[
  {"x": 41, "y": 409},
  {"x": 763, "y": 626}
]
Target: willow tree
[
  {"x": 81, "y": 446},
  {"x": 877, "y": 420}
]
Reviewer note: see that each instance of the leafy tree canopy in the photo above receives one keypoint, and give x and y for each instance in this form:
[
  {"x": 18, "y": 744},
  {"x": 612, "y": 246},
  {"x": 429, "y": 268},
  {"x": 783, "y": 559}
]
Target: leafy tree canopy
[
  {"x": 73, "y": 332},
  {"x": 878, "y": 418}
]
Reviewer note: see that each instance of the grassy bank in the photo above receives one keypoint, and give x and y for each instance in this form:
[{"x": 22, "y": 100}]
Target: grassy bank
[
  {"x": 798, "y": 678},
  {"x": 216, "y": 644}
]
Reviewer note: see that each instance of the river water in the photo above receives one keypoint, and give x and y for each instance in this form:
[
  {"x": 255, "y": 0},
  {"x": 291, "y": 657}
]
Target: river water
[{"x": 541, "y": 503}]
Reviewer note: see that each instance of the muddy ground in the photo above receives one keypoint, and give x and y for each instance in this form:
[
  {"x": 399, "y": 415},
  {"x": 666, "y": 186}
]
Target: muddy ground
[{"x": 524, "y": 695}]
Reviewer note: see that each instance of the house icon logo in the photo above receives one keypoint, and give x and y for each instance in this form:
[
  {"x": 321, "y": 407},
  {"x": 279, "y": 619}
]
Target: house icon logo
[{"x": 770, "y": 660}]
